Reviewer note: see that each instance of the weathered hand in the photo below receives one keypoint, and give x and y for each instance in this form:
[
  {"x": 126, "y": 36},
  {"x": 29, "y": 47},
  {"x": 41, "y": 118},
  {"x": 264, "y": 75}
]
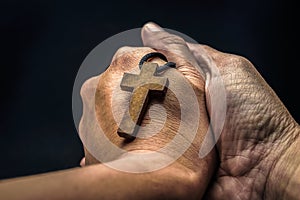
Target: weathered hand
[{"x": 259, "y": 134}]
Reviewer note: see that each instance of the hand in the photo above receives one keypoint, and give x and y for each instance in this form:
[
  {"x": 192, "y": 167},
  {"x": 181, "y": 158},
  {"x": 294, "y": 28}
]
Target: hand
[
  {"x": 259, "y": 138},
  {"x": 186, "y": 177},
  {"x": 103, "y": 94}
]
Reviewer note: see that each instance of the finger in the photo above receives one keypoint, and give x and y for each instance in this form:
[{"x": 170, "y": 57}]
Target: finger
[
  {"x": 214, "y": 83},
  {"x": 82, "y": 162},
  {"x": 214, "y": 89},
  {"x": 204, "y": 57},
  {"x": 206, "y": 62},
  {"x": 156, "y": 37}
]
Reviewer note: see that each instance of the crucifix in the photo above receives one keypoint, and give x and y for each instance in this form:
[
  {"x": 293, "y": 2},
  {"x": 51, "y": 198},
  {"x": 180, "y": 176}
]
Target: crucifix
[{"x": 142, "y": 86}]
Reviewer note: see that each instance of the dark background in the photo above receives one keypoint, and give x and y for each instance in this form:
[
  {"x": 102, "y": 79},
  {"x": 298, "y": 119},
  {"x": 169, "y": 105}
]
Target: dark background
[{"x": 43, "y": 44}]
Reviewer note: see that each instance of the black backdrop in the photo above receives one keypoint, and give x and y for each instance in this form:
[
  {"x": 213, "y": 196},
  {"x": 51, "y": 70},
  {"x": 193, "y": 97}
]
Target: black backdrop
[{"x": 43, "y": 44}]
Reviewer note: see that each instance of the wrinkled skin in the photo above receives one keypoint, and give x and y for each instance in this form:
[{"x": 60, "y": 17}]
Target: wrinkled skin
[{"x": 258, "y": 131}]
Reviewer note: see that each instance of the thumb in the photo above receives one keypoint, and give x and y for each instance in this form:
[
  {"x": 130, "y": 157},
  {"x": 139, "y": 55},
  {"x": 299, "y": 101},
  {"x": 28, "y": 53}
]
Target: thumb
[{"x": 156, "y": 37}]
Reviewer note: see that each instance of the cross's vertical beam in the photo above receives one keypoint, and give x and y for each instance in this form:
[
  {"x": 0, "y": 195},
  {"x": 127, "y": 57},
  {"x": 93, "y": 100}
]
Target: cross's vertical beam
[{"x": 140, "y": 85}]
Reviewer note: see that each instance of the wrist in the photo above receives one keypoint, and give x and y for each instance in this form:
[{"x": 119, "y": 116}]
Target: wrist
[
  {"x": 175, "y": 181},
  {"x": 284, "y": 177}
]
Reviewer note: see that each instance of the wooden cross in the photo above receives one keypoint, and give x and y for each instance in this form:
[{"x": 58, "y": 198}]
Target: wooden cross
[{"x": 142, "y": 86}]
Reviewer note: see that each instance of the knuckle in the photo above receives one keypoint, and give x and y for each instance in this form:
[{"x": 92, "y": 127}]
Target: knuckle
[
  {"x": 123, "y": 50},
  {"x": 237, "y": 60},
  {"x": 88, "y": 87},
  {"x": 242, "y": 61}
]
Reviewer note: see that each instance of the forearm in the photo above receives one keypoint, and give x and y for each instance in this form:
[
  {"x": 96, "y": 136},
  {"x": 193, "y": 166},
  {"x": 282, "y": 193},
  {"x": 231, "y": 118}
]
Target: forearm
[
  {"x": 292, "y": 190},
  {"x": 285, "y": 177},
  {"x": 101, "y": 182}
]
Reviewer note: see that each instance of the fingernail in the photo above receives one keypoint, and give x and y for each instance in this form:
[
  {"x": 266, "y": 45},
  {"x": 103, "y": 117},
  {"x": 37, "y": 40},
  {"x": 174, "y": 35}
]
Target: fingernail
[{"x": 153, "y": 27}]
